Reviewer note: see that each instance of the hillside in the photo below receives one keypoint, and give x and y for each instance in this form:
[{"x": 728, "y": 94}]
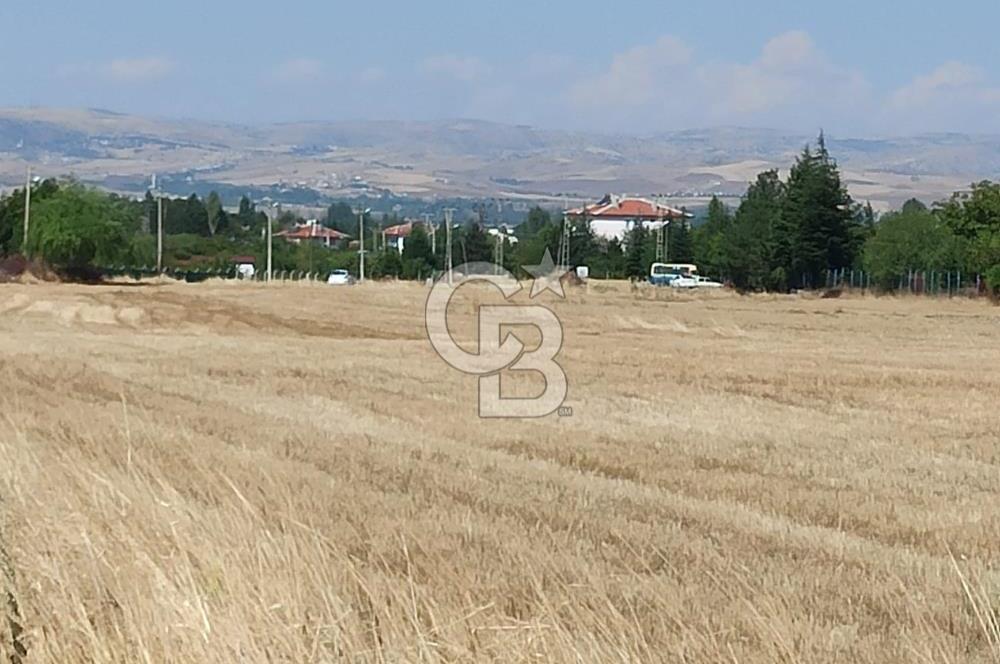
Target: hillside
[{"x": 464, "y": 157}]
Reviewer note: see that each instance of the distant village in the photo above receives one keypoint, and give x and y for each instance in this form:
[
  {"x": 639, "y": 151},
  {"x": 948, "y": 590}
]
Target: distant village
[{"x": 611, "y": 218}]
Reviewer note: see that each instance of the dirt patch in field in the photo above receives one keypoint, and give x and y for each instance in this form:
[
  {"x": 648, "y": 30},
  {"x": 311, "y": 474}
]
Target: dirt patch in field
[{"x": 152, "y": 308}]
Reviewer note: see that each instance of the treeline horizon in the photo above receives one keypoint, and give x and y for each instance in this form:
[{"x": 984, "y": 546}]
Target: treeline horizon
[{"x": 783, "y": 235}]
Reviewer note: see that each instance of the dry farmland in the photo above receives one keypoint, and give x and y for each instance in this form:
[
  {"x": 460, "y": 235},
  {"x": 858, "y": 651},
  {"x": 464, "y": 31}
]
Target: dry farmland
[{"x": 230, "y": 473}]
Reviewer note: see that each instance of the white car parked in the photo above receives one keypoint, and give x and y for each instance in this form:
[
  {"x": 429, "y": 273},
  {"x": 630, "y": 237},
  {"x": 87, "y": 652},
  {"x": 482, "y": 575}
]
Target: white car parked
[
  {"x": 705, "y": 282},
  {"x": 340, "y": 278},
  {"x": 694, "y": 281}
]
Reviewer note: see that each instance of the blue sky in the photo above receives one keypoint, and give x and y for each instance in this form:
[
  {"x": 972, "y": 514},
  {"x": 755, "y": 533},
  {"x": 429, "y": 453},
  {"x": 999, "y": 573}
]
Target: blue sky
[{"x": 853, "y": 67}]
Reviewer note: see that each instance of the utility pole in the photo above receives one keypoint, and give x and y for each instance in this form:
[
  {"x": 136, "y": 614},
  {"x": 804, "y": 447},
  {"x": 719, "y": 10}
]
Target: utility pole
[
  {"x": 27, "y": 213},
  {"x": 449, "y": 214},
  {"x": 427, "y": 222},
  {"x": 155, "y": 191},
  {"x": 361, "y": 223},
  {"x": 361, "y": 212},
  {"x": 564, "y": 254},
  {"x": 159, "y": 233},
  {"x": 660, "y": 234},
  {"x": 498, "y": 253},
  {"x": 270, "y": 243},
  {"x": 666, "y": 240}
]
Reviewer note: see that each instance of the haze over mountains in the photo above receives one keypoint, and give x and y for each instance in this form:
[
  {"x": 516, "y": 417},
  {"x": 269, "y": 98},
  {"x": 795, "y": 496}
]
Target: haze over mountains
[{"x": 466, "y": 158}]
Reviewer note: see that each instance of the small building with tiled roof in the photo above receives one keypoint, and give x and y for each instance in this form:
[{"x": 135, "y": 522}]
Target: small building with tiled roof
[
  {"x": 246, "y": 266},
  {"x": 614, "y": 216},
  {"x": 394, "y": 237},
  {"x": 313, "y": 231}
]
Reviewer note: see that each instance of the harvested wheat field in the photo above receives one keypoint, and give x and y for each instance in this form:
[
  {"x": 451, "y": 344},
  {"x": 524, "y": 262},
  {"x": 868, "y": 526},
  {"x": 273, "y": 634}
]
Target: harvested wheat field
[{"x": 231, "y": 473}]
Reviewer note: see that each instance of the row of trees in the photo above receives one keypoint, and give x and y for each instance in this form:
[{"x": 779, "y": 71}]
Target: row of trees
[
  {"x": 204, "y": 218},
  {"x": 788, "y": 234},
  {"x": 784, "y": 234}
]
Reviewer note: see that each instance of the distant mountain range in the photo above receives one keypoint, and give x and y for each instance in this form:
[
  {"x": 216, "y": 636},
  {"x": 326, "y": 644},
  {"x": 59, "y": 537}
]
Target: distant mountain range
[{"x": 465, "y": 158}]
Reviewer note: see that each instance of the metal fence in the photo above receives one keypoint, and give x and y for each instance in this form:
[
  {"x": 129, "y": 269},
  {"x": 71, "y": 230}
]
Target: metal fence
[
  {"x": 947, "y": 283},
  {"x": 197, "y": 275}
]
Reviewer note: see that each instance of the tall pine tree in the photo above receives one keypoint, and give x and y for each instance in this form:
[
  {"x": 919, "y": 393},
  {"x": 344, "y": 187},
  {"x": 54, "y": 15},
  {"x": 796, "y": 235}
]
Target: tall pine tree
[
  {"x": 709, "y": 238},
  {"x": 637, "y": 246},
  {"x": 818, "y": 229},
  {"x": 750, "y": 251}
]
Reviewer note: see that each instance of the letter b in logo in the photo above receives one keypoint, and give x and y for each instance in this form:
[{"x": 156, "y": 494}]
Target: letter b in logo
[{"x": 499, "y": 351}]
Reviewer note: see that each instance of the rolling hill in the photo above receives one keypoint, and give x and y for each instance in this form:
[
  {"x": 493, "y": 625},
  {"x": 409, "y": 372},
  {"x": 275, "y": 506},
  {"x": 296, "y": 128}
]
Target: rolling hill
[{"x": 467, "y": 158}]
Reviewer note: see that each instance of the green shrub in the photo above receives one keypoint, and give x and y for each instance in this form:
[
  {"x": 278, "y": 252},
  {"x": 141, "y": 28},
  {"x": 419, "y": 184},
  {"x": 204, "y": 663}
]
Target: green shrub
[
  {"x": 993, "y": 281},
  {"x": 77, "y": 229}
]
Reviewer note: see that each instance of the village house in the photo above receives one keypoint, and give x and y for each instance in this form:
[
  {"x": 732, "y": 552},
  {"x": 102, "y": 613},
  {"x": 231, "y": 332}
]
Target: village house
[
  {"x": 246, "y": 266},
  {"x": 313, "y": 232},
  {"x": 394, "y": 237},
  {"x": 614, "y": 216}
]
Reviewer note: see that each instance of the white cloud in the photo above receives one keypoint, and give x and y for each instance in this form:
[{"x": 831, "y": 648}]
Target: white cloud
[
  {"x": 790, "y": 83},
  {"x": 126, "y": 70},
  {"x": 950, "y": 79},
  {"x": 297, "y": 70},
  {"x": 664, "y": 85},
  {"x": 954, "y": 96},
  {"x": 638, "y": 76},
  {"x": 139, "y": 69},
  {"x": 791, "y": 51},
  {"x": 791, "y": 74},
  {"x": 467, "y": 69}
]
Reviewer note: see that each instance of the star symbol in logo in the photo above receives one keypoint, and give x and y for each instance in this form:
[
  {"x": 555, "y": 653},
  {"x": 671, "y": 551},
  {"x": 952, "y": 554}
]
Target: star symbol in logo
[{"x": 547, "y": 277}]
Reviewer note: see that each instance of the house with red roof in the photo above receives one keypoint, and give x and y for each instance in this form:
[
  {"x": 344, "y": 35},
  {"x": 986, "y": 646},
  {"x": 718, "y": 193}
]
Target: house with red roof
[
  {"x": 394, "y": 237},
  {"x": 314, "y": 232},
  {"x": 614, "y": 216}
]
